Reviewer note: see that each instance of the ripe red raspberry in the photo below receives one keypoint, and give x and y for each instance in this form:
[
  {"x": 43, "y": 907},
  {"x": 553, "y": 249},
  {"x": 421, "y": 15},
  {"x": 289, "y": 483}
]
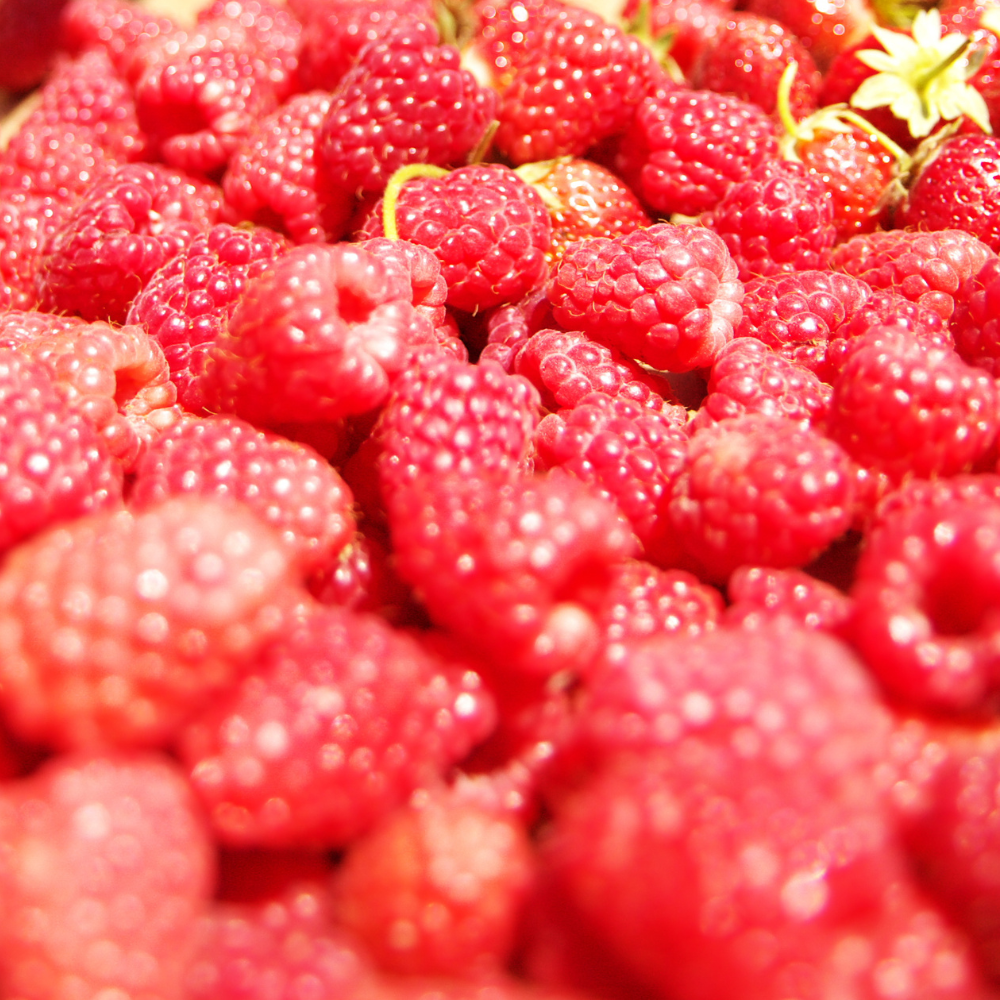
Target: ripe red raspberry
[
  {"x": 406, "y": 100},
  {"x": 115, "y": 377},
  {"x": 825, "y": 29},
  {"x": 685, "y": 149},
  {"x": 907, "y": 407},
  {"x": 565, "y": 367},
  {"x": 340, "y": 720},
  {"x": 121, "y": 28},
  {"x": 584, "y": 199},
  {"x": 759, "y": 593},
  {"x": 705, "y": 828},
  {"x": 667, "y": 295},
  {"x": 275, "y": 177},
  {"x": 956, "y": 188},
  {"x": 511, "y": 568},
  {"x": 926, "y": 268},
  {"x": 199, "y": 92},
  {"x": 437, "y": 888},
  {"x": 746, "y": 56},
  {"x": 316, "y": 336},
  {"x": 779, "y": 218},
  {"x": 947, "y": 776},
  {"x": 53, "y": 465},
  {"x": 287, "y": 485},
  {"x": 284, "y": 945},
  {"x": 26, "y": 223},
  {"x": 449, "y": 416},
  {"x": 122, "y": 232},
  {"x": 629, "y": 453},
  {"x": 925, "y": 595},
  {"x": 578, "y": 86},
  {"x": 974, "y": 322},
  {"x": 760, "y": 490},
  {"x": 335, "y": 31},
  {"x": 644, "y": 600},
  {"x": 120, "y": 839},
  {"x": 490, "y": 230},
  {"x": 118, "y": 626},
  {"x": 509, "y": 327},
  {"x": 186, "y": 304}
]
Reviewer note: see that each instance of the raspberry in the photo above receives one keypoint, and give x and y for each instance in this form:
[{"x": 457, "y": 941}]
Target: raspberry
[
  {"x": 511, "y": 568},
  {"x": 198, "y": 93},
  {"x": 826, "y": 30},
  {"x": 54, "y": 465},
  {"x": 584, "y": 199},
  {"x": 287, "y": 485},
  {"x": 748, "y": 377},
  {"x": 447, "y": 416},
  {"x": 117, "y": 626},
  {"x": 489, "y": 229},
  {"x": 186, "y": 304},
  {"x": 87, "y": 94},
  {"x": 908, "y": 407},
  {"x": 926, "y": 268},
  {"x": 116, "y": 377},
  {"x": 925, "y": 592},
  {"x": 579, "y": 86},
  {"x": 747, "y": 55},
  {"x": 630, "y": 454},
  {"x": 760, "y": 490},
  {"x": 945, "y": 773},
  {"x": 758, "y": 593},
  {"x": 406, "y": 100},
  {"x": 122, "y": 840},
  {"x": 565, "y": 367},
  {"x": 119, "y": 27},
  {"x": 436, "y": 888},
  {"x": 702, "y": 830},
  {"x": 335, "y": 31},
  {"x": 508, "y": 32},
  {"x": 275, "y": 177},
  {"x": 509, "y": 327},
  {"x": 281, "y": 948},
  {"x": 644, "y": 601},
  {"x": 779, "y": 218},
  {"x": 316, "y": 336},
  {"x": 122, "y": 232},
  {"x": 340, "y": 719},
  {"x": 688, "y": 25},
  {"x": 686, "y": 148},
  {"x": 667, "y": 295}
]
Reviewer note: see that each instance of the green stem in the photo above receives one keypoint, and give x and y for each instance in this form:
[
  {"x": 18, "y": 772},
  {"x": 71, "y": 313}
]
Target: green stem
[{"x": 395, "y": 185}]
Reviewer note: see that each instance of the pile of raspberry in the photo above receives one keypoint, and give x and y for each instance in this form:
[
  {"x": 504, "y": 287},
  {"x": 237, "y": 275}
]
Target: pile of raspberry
[{"x": 496, "y": 514}]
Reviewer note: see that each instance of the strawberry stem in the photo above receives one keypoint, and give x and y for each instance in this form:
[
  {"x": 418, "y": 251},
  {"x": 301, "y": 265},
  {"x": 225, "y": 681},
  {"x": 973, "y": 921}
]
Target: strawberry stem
[
  {"x": 395, "y": 185},
  {"x": 784, "y": 98}
]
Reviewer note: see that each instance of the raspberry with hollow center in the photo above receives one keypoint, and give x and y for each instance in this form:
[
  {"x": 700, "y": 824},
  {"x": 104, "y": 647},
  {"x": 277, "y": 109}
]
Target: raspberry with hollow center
[
  {"x": 340, "y": 719},
  {"x": 667, "y": 295},
  {"x": 121, "y": 233},
  {"x": 118, "y": 626}
]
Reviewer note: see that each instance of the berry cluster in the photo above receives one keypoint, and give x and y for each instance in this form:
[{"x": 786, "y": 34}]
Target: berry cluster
[{"x": 500, "y": 501}]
